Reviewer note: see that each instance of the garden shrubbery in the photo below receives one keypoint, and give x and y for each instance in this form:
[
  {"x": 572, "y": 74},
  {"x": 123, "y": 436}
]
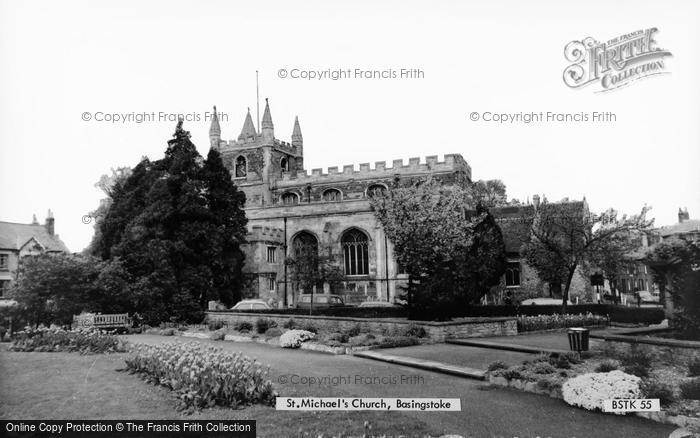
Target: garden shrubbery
[
  {"x": 589, "y": 391},
  {"x": 262, "y": 324},
  {"x": 83, "y": 340},
  {"x": 203, "y": 376},
  {"x": 556, "y": 321},
  {"x": 294, "y": 338},
  {"x": 690, "y": 388}
]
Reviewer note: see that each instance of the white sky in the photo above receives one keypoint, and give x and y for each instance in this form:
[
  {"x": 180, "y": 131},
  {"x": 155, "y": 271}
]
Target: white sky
[{"x": 60, "y": 59}]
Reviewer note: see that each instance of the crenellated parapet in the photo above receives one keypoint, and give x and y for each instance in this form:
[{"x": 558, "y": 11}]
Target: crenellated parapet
[{"x": 451, "y": 163}]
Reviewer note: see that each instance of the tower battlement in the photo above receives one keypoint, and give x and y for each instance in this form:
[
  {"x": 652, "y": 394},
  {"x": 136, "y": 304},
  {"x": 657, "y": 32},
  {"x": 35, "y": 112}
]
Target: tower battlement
[{"x": 451, "y": 163}]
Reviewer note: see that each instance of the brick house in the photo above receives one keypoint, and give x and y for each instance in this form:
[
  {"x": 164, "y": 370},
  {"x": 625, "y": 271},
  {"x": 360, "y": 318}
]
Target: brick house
[{"x": 20, "y": 240}]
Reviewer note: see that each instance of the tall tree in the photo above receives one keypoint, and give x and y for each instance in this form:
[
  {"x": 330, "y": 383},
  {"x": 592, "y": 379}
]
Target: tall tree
[
  {"x": 564, "y": 236},
  {"x": 452, "y": 256},
  {"x": 177, "y": 225}
]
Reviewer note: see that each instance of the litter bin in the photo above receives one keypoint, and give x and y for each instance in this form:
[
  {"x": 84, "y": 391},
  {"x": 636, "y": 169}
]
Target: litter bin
[{"x": 578, "y": 339}]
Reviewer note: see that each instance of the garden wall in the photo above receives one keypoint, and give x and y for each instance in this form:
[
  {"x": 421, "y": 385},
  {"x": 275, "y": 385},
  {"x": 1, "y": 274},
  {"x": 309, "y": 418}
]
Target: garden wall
[
  {"x": 671, "y": 349},
  {"x": 438, "y": 331}
]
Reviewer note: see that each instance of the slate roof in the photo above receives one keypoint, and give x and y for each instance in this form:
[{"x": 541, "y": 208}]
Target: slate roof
[
  {"x": 13, "y": 236},
  {"x": 687, "y": 226}
]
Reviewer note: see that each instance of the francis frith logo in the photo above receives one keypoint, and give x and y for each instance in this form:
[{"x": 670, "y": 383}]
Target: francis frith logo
[{"x": 616, "y": 62}]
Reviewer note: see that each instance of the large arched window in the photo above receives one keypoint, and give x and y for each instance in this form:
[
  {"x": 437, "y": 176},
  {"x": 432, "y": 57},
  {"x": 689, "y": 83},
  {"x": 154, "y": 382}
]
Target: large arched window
[
  {"x": 241, "y": 167},
  {"x": 513, "y": 274},
  {"x": 332, "y": 195},
  {"x": 290, "y": 198},
  {"x": 376, "y": 190},
  {"x": 305, "y": 245},
  {"x": 355, "y": 252}
]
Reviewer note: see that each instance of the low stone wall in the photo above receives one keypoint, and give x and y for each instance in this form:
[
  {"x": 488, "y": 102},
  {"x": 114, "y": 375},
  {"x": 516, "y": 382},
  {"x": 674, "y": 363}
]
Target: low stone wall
[
  {"x": 670, "y": 349},
  {"x": 438, "y": 331}
]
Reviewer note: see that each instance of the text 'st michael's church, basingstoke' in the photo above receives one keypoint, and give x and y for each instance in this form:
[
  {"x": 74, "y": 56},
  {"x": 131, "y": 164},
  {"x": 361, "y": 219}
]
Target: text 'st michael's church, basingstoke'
[{"x": 328, "y": 213}]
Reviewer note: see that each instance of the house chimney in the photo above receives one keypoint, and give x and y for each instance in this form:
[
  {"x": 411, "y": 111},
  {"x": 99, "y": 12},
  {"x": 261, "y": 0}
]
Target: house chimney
[
  {"x": 49, "y": 223},
  {"x": 536, "y": 200},
  {"x": 683, "y": 215}
]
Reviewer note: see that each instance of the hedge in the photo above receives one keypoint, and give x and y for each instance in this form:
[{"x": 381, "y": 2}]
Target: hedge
[{"x": 645, "y": 315}]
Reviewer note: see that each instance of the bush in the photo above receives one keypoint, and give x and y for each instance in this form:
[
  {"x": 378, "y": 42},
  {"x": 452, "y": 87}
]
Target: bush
[
  {"x": 352, "y": 331},
  {"x": 690, "y": 388},
  {"x": 289, "y": 324},
  {"x": 218, "y": 335},
  {"x": 543, "y": 368},
  {"x": 273, "y": 332},
  {"x": 589, "y": 391},
  {"x": 215, "y": 325},
  {"x": 82, "y": 340},
  {"x": 638, "y": 361},
  {"x": 244, "y": 326},
  {"x": 416, "y": 331},
  {"x": 555, "y": 321},
  {"x": 262, "y": 324},
  {"x": 694, "y": 367},
  {"x": 607, "y": 365},
  {"x": 653, "y": 388},
  {"x": 203, "y": 376},
  {"x": 338, "y": 337},
  {"x": 512, "y": 373},
  {"x": 560, "y": 361},
  {"x": 497, "y": 365},
  {"x": 309, "y": 327},
  {"x": 399, "y": 341},
  {"x": 167, "y": 332},
  {"x": 294, "y": 338}
]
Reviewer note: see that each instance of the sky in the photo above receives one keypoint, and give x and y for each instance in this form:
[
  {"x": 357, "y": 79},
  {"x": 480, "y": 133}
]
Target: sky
[{"x": 67, "y": 66}]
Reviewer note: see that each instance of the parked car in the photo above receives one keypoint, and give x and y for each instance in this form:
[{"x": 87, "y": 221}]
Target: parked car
[
  {"x": 544, "y": 302},
  {"x": 320, "y": 301},
  {"x": 251, "y": 305},
  {"x": 377, "y": 304}
]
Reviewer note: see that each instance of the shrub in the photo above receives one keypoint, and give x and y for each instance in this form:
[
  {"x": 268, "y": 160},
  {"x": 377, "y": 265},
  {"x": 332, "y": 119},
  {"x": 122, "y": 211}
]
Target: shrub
[
  {"x": 294, "y": 338},
  {"x": 560, "y": 361},
  {"x": 309, "y": 327},
  {"x": 555, "y": 321},
  {"x": 606, "y": 366},
  {"x": 352, "y": 331},
  {"x": 273, "y": 332},
  {"x": 398, "y": 341},
  {"x": 543, "y": 368},
  {"x": 82, "y": 340},
  {"x": 167, "y": 332},
  {"x": 694, "y": 367},
  {"x": 497, "y": 365},
  {"x": 262, "y": 324},
  {"x": 218, "y": 335},
  {"x": 637, "y": 361},
  {"x": 338, "y": 337},
  {"x": 289, "y": 324},
  {"x": 690, "y": 389},
  {"x": 203, "y": 376},
  {"x": 512, "y": 373},
  {"x": 244, "y": 326},
  {"x": 416, "y": 331},
  {"x": 215, "y": 325},
  {"x": 572, "y": 357},
  {"x": 590, "y": 390},
  {"x": 654, "y": 388}
]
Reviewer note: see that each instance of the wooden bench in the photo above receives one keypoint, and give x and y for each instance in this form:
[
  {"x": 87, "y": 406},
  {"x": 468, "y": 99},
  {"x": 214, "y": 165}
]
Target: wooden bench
[{"x": 106, "y": 321}]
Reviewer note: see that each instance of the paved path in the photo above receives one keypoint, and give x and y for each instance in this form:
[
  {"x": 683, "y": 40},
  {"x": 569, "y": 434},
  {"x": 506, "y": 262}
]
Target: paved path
[
  {"x": 486, "y": 411},
  {"x": 472, "y": 357}
]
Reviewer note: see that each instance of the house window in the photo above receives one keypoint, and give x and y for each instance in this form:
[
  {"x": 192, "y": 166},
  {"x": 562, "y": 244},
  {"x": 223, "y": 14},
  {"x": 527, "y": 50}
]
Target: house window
[
  {"x": 355, "y": 252},
  {"x": 513, "y": 274},
  {"x": 4, "y": 287},
  {"x": 290, "y": 199},
  {"x": 331, "y": 195},
  {"x": 4, "y": 266},
  {"x": 271, "y": 284},
  {"x": 272, "y": 254},
  {"x": 241, "y": 167}
]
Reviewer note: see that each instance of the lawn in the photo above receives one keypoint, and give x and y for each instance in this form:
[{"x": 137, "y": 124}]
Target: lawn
[{"x": 72, "y": 386}]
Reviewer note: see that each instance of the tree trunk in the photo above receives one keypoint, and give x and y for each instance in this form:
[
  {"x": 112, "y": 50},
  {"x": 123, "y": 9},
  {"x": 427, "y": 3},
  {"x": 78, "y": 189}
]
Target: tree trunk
[{"x": 565, "y": 295}]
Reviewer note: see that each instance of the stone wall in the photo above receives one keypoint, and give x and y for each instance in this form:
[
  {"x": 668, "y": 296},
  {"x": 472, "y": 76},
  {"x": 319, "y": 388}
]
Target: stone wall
[{"x": 438, "y": 331}]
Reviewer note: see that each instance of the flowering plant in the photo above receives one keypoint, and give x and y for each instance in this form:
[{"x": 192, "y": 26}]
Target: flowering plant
[
  {"x": 203, "y": 376},
  {"x": 555, "y": 321},
  {"x": 85, "y": 340},
  {"x": 589, "y": 391},
  {"x": 294, "y": 338}
]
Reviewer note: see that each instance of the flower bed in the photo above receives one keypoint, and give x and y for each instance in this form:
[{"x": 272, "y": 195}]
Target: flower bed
[
  {"x": 203, "y": 376},
  {"x": 82, "y": 340},
  {"x": 557, "y": 321}
]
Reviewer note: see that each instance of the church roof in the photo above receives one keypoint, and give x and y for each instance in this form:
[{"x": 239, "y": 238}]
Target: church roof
[
  {"x": 267, "y": 117},
  {"x": 687, "y": 226},
  {"x": 14, "y": 236},
  {"x": 296, "y": 132},
  {"x": 248, "y": 128}
]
